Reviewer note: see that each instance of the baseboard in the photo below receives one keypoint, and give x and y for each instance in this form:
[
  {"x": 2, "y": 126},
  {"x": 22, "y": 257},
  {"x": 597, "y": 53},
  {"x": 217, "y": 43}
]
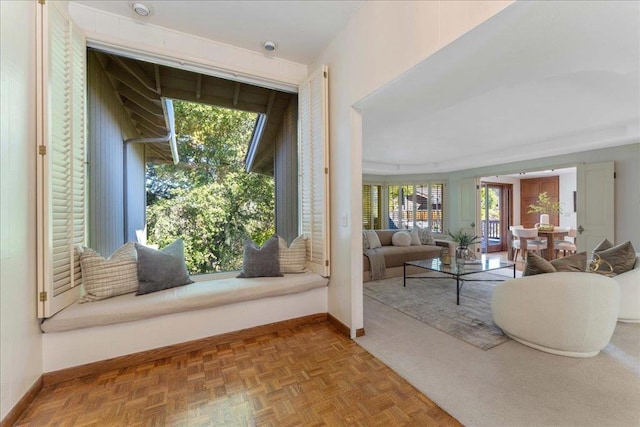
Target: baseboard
[
  {"x": 15, "y": 412},
  {"x": 342, "y": 328},
  {"x": 120, "y": 362}
]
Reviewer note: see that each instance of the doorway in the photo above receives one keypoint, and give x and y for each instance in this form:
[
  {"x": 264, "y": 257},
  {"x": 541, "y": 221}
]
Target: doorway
[{"x": 496, "y": 211}]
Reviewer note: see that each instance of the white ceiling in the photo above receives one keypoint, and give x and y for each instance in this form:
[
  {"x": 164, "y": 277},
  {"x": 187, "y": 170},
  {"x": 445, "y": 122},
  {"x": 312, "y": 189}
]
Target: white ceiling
[
  {"x": 538, "y": 79},
  {"x": 541, "y": 78},
  {"x": 300, "y": 29}
]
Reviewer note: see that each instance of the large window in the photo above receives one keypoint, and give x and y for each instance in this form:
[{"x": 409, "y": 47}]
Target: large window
[{"x": 403, "y": 206}]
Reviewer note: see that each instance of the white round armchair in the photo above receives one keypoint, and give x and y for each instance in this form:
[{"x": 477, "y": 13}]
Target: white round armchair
[
  {"x": 567, "y": 313},
  {"x": 630, "y": 293}
]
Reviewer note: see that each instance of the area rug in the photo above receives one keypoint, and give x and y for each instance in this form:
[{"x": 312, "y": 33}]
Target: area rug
[{"x": 433, "y": 301}]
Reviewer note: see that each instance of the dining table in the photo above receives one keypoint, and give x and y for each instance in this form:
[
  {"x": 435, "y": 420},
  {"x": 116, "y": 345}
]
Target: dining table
[{"x": 551, "y": 236}]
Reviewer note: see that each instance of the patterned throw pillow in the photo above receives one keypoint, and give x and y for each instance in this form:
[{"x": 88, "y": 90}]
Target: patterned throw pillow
[
  {"x": 426, "y": 238},
  {"x": 538, "y": 265},
  {"x": 163, "y": 269},
  {"x": 261, "y": 262},
  {"x": 293, "y": 258},
  {"x": 105, "y": 278},
  {"x": 622, "y": 257}
]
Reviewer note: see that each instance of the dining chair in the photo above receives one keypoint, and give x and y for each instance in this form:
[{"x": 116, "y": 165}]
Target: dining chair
[
  {"x": 515, "y": 242},
  {"x": 568, "y": 244},
  {"x": 532, "y": 242}
]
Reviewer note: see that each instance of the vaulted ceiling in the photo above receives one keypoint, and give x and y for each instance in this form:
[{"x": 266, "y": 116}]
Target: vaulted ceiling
[{"x": 141, "y": 87}]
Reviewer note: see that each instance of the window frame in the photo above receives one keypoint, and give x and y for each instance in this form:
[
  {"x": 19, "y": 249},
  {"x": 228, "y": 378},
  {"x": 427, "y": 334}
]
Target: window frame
[{"x": 385, "y": 202}]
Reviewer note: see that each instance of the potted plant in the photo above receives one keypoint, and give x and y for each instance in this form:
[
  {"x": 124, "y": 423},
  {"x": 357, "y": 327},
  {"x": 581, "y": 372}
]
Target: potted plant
[
  {"x": 544, "y": 207},
  {"x": 464, "y": 240}
]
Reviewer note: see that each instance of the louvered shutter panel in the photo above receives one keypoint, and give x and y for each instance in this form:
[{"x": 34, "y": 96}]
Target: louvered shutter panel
[
  {"x": 367, "y": 215},
  {"x": 314, "y": 167},
  {"x": 61, "y": 166}
]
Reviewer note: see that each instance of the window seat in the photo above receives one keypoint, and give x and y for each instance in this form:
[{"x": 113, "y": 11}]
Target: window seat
[
  {"x": 198, "y": 295},
  {"x": 124, "y": 325}
]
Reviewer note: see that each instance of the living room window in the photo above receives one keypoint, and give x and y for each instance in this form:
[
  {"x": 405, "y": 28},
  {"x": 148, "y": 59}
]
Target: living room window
[{"x": 403, "y": 206}]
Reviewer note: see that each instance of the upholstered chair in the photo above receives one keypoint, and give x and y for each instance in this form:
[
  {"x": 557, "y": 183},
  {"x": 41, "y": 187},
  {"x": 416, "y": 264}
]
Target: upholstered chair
[
  {"x": 532, "y": 242},
  {"x": 566, "y": 313},
  {"x": 568, "y": 244},
  {"x": 629, "y": 283}
]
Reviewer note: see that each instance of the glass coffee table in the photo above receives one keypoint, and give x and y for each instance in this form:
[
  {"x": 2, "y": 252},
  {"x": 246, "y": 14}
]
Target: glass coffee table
[{"x": 458, "y": 271}]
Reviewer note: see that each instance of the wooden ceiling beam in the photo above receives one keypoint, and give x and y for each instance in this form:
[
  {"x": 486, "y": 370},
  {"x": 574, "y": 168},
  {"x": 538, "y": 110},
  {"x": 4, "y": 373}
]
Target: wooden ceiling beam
[
  {"x": 128, "y": 80},
  {"x": 131, "y": 65},
  {"x": 132, "y": 106},
  {"x": 151, "y": 106},
  {"x": 147, "y": 131},
  {"x": 214, "y": 100},
  {"x": 149, "y": 121},
  {"x": 156, "y": 71},
  {"x": 236, "y": 93}
]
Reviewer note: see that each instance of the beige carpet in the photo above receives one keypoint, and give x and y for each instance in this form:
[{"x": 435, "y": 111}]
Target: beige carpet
[
  {"x": 433, "y": 301},
  {"x": 510, "y": 384}
]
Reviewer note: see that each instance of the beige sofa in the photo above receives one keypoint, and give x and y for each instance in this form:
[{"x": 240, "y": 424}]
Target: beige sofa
[{"x": 395, "y": 256}]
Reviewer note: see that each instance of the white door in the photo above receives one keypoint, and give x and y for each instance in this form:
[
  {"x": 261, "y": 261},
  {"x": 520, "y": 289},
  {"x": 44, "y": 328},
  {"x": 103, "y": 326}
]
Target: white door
[
  {"x": 595, "y": 205},
  {"x": 469, "y": 207}
]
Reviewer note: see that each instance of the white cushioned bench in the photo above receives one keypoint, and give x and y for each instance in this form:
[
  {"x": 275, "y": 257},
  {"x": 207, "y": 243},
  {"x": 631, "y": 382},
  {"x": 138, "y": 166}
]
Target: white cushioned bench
[{"x": 88, "y": 332}]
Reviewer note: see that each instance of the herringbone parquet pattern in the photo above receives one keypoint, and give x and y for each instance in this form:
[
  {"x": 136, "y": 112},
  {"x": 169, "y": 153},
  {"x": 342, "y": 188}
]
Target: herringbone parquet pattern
[{"x": 307, "y": 376}]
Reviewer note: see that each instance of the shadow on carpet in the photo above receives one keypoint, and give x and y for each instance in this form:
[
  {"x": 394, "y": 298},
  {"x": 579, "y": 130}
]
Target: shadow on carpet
[{"x": 433, "y": 301}]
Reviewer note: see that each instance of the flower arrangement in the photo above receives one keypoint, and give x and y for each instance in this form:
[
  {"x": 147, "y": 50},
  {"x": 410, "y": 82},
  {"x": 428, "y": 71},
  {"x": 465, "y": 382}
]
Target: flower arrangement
[
  {"x": 545, "y": 205},
  {"x": 462, "y": 238}
]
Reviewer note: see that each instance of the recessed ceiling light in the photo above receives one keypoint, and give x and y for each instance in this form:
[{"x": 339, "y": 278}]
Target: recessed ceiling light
[
  {"x": 269, "y": 46},
  {"x": 141, "y": 9}
]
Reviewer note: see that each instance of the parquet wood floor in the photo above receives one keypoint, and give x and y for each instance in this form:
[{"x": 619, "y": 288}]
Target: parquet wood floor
[{"x": 306, "y": 376}]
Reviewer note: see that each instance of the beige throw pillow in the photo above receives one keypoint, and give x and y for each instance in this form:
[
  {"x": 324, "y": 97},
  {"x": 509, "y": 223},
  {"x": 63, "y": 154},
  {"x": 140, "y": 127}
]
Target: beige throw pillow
[
  {"x": 401, "y": 238},
  {"x": 293, "y": 258},
  {"x": 105, "y": 278},
  {"x": 372, "y": 241},
  {"x": 415, "y": 237}
]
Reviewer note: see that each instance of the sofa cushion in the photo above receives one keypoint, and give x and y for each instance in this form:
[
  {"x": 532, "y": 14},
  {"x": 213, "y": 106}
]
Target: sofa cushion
[
  {"x": 538, "y": 265},
  {"x": 395, "y": 256},
  {"x": 401, "y": 238},
  {"x": 385, "y": 236},
  {"x": 622, "y": 257}
]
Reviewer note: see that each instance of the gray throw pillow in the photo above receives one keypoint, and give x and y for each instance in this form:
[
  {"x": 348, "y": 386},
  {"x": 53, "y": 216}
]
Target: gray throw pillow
[
  {"x": 621, "y": 257},
  {"x": 261, "y": 262},
  {"x": 538, "y": 265},
  {"x": 163, "y": 269}
]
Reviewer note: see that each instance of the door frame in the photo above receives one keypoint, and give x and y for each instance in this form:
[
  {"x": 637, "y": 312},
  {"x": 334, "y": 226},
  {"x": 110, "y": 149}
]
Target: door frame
[{"x": 506, "y": 213}]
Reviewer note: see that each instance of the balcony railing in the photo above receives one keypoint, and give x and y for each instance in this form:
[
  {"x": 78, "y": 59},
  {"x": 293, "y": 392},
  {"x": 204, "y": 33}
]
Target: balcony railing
[{"x": 493, "y": 231}]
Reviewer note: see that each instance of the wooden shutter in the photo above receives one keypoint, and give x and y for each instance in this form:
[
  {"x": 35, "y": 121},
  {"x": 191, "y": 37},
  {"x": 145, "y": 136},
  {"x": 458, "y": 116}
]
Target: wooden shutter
[
  {"x": 61, "y": 158},
  {"x": 314, "y": 169}
]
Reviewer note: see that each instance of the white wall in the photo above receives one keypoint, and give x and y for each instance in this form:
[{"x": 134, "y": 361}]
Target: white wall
[
  {"x": 381, "y": 41},
  {"x": 21, "y": 347},
  {"x": 568, "y": 184}
]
